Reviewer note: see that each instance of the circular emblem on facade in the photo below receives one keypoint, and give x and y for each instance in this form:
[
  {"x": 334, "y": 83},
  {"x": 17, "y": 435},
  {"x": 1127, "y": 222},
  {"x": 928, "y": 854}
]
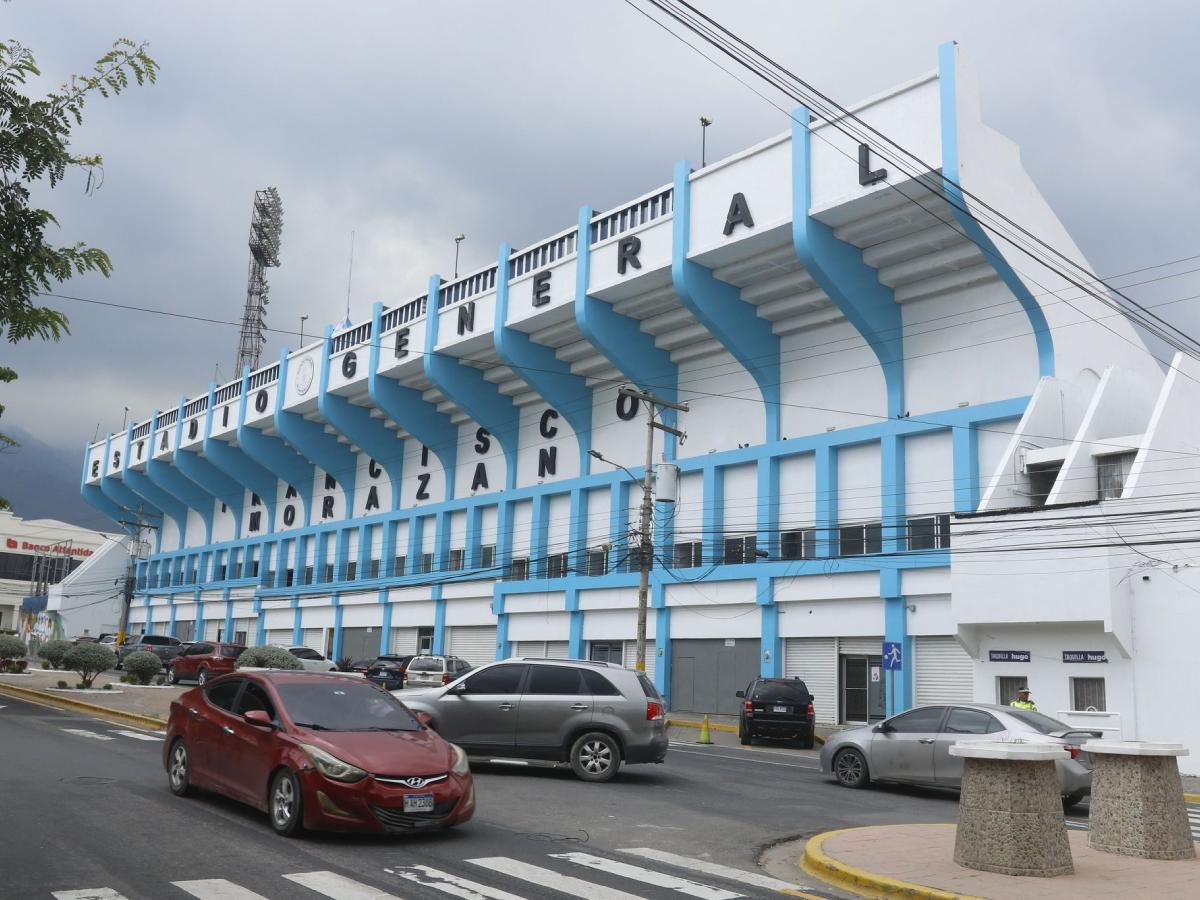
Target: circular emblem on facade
[{"x": 304, "y": 375}]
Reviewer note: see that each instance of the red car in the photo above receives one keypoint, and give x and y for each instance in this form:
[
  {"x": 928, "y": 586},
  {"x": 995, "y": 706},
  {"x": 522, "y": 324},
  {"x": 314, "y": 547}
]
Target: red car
[
  {"x": 203, "y": 660},
  {"x": 317, "y": 750}
]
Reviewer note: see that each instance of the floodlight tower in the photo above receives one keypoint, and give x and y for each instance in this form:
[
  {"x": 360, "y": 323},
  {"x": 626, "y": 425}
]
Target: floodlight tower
[{"x": 266, "y": 224}]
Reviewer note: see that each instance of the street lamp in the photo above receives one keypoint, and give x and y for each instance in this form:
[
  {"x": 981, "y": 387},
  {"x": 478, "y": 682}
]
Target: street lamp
[
  {"x": 458, "y": 239},
  {"x": 303, "y": 319},
  {"x": 646, "y": 550},
  {"x": 705, "y": 121}
]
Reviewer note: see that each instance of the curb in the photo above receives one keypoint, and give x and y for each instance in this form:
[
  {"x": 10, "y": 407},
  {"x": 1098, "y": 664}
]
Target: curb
[
  {"x": 55, "y": 700},
  {"x": 819, "y": 864},
  {"x": 1191, "y": 798},
  {"x": 721, "y": 726}
]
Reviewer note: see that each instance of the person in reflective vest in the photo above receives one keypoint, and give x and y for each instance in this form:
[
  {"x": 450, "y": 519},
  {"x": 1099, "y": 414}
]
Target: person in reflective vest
[{"x": 1023, "y": 701}]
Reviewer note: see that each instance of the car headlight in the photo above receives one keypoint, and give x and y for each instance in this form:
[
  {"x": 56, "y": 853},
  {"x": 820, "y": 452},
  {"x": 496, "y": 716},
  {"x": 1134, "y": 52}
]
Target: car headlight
[
  {"x": 332, "y": 767},
  {"x": 461, "y": 766}
]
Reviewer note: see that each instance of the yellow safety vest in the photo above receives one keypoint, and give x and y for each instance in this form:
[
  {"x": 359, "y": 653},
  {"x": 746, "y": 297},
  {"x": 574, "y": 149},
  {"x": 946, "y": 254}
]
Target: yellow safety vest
[{"x": 1023, "y": 704}]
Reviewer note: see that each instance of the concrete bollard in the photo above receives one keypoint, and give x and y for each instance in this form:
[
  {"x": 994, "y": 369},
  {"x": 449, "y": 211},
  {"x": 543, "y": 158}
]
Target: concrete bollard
[
  {"x": 1010, "y": 817},
  {"x": 1137, "y": 806}
]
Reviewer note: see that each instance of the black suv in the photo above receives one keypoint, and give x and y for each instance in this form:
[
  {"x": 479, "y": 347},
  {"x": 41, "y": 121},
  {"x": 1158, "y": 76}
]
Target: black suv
[
  {"x": 165, "y": 648},
  {"x": 777, "y": 708},
  {"x": 389, "y": 671}
]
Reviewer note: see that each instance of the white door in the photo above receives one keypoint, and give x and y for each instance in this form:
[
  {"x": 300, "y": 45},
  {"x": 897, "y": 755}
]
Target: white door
[
  {"x": 944, "y": 673},
  {"x": 814, "y": 661},
  {"x": 403, "y": 641},
  {"x": 474, "y": 643}
]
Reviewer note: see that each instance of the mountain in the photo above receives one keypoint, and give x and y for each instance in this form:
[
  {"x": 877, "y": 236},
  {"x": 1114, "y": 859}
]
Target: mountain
[{"x": 42, "y": 482}]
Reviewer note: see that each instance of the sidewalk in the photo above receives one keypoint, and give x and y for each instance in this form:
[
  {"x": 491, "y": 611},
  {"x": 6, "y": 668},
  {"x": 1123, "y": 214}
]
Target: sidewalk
[{"x": 918, "y": 861}]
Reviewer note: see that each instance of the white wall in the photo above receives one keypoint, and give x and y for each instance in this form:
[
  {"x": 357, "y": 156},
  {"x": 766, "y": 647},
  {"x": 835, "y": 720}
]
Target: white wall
[
  {"x": 859, "y": 484},
  {"x": 561, "y": 449},
  {"x": 929, "y": 473},
  {"x": 725, "y": 405},
  {"x": 418, "y": 476},
  {"x": 832, "y": 368},
  {"x": 470, "y": 457}
]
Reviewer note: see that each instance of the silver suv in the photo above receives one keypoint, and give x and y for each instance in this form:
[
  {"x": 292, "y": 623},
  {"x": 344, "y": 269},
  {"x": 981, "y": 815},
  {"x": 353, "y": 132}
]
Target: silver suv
[{"x": 591, "y": 715}]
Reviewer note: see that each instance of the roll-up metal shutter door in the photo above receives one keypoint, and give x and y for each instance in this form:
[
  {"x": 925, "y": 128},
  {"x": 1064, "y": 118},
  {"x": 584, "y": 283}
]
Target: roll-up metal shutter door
[
  {"x": 474, "y": 643},
  {"x": 280, "y": 637},
  {"x": 944, "y": 672},
  {"x": 861, "y": 646},
  {"x": 313, "y": 639},
  {"x": 159, "y": 628},
  {"x": 403, "y": 641},
  {"x": 212, "y": 627},
  {"x": 631, "y": 657},
  {"x": 185, "y": 629},
  {"x": 544, "y": 649},
  {"x": 248, "y": 627},
  {"x": 814, "y": 661}
]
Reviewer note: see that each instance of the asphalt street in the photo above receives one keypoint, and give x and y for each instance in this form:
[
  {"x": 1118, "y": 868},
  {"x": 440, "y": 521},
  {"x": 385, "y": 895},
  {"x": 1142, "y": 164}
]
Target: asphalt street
[{"x": 86, "y": 807}]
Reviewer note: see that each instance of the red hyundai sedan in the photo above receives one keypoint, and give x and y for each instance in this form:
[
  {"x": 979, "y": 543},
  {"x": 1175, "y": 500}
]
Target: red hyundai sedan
[{"x": 316, "y": 750}]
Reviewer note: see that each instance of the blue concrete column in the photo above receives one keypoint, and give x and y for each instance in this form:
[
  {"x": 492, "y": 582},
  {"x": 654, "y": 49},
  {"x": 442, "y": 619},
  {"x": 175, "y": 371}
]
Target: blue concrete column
[
  {"x": 228, "y": 632},
  {"x": 260, "y": 630},
  {"x": 439, "y": 621},
  {"x": 538, "y": 529},
  {"x": 386, "y": 633},
  {"x": 662, "y": 648},
  {"x": 618, "y": 525},
  {"x": 892, "y": 497},
  {"x": 826, "y": 501},
  {"x": 575, "y": 645},
  {"x": 895, "y": 629},
  {"x": 965, "y": 444},
  {"x": 297, "y": 623},
  {"x": 770, "y": 657},
  {"x": 171, "y": 619},
  {"x": 337, "y": 627},
  {"x": 767, "y": 517},
  {"x": 714, "y": 514}
]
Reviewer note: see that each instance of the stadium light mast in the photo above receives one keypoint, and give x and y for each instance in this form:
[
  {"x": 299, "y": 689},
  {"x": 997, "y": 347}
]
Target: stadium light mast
[{"x": 266, "y": 225}]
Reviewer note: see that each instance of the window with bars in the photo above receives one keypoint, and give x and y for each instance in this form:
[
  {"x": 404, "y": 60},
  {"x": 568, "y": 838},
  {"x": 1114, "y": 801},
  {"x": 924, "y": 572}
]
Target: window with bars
[
  {"x": 860, "y": 540},
  {"x": 556, "y": 565},
  {"x": 1007, "y": 687},
  {"x": 400, "y": 566},
  {"x": 328, "y": 572},
  {"x": 929, "y": 532},
  {"x": 597, "y": 563},
  {"x": 1087, "y": 694},
  {"x": 457, "y": 559},
  {"x": 1112, "y": 471},
  {"x": 798, "y": 543},
  {"x": 487, "y": 556},
  {"x": 289, "y": 577},
  {"x": 351, "y": 570},
  {"x": 426, "y": 563},
  {"x": 308, "y": 574},
  {"x": 740, "y": 549},
  {"x": 687, "y": 554},
  {"x": 220, "y": 573},
  {"x": 518, "y": 569},
  {"x": 373, "y": 569}
]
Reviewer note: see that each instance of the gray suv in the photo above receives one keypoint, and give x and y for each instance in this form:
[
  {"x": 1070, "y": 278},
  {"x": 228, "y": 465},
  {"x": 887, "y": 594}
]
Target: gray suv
[
  {"x": 165, "y": 648},
  {"x": 591, "y": 715}
]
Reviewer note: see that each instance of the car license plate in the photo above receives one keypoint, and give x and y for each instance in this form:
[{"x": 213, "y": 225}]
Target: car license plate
[
  {"x": 780, "y": 709},
  {"x": 418, "y": 803}
]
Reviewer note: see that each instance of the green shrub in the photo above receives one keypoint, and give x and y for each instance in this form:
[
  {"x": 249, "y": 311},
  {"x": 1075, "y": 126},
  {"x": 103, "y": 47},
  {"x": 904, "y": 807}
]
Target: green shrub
[
  {"x": 54, "y": 651},
  {"x": 11, "y": 647},
  {"x": 45, "y": 664},
  {"x": 62, "y": 684},
  {"x": 89, "y": 660},
  {"x": 141, "y": 666},
  {"x": 160, "y": 680},
  {"x": 267, "y": 658},
  {"x": 108, "y": 687}
]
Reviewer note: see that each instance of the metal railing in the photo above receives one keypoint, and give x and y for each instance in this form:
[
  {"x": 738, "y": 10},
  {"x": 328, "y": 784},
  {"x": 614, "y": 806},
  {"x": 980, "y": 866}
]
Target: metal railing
[
  {"x": 466, "y": 287},
  {"x": 402, "y": 315},
  {"x": 170, "y": 417},
  {"x": 199, "y": 405},
  {"x": 360, "y": 334},
  {"x": 543, "y": 254},
  {"x": 229, "y": 391},
  {"x": 143, "y": 430},
  {"x": 639, "y": 212},
  {"x": 263, "y": 377}
]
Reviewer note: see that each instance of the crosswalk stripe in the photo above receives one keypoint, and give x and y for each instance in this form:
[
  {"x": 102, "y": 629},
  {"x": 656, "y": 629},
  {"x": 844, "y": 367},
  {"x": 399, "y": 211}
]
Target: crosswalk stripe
[
  {"x": 89, "y": 734},
  {"x": 649, "y": 876},
  {"x": 338, "y": 887},
  {"x": 217, "y": 889},
  {"x": 451, "y": 884},
  {"x": 576, "y": 887},
  {"x": 715, "y": 869},
  {"x": 89, "y": 894},
  {"x": 136, "y": 735}
]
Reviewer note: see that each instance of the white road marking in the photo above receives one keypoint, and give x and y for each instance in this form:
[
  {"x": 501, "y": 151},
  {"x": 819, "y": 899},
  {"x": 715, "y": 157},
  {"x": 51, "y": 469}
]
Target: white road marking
[
  {"x": 217, "y": 889},
  {"x": 576, "y": 887},
  {"x": 649, "y": 876},
  {"x": 89, "y": 894},
  {"x": 139, "y": 736},
  {"x": 338, "y": 887},
  {"x": 89, "y": 734},
  {"x": 451, "y": 884},
  {"x": 761, "y": 762},
  {"x": 715, "y": 869}
]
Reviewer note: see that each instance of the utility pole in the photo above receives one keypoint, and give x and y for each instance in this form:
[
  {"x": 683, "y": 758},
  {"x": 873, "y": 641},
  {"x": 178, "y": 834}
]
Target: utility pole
[
  {"x": 135, "y": 553},
  {"x": 646, "y": 547}
]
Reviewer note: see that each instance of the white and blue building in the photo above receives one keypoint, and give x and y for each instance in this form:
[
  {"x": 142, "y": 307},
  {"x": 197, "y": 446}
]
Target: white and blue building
[{"x": 859, "y": 358}]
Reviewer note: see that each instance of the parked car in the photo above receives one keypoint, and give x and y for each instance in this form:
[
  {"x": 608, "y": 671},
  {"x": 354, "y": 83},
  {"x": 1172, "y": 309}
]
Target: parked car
[
  {"x": 777, "y": 708},
  {"x": 388, "y": 671},
  {"x": 203, "y": 660},
  {"x": 165, "y": 648},
  {"x": 914, "y": 746},
  {"x": 590, "y": 715},
  {"x": 424, "y": 671},
  {"x": 311, "y": 660},
  {"x": 316, "y": 751},
  {"x": 360, "y": 666}
]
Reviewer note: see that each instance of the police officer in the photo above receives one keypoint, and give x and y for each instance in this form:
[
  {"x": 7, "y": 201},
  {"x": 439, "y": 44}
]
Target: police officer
[{"x": 1023, "y": 701}]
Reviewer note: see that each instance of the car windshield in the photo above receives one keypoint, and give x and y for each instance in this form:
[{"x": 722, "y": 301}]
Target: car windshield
[
  {"x": 344, "y": 705},
  {"x": 232, "y": 652},
  {"x": 1037, "y": 721},
  {"x": 425, "y": 665},
  {"x": 790, "y": 692}
]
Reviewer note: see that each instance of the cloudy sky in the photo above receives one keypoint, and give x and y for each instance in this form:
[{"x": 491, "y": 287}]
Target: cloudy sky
[{"x": 410, "y": 122}]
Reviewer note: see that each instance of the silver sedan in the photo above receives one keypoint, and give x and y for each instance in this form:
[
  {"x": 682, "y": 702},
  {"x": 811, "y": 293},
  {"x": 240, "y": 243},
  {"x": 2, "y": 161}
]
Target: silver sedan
[{"x": 914, "y": 746}]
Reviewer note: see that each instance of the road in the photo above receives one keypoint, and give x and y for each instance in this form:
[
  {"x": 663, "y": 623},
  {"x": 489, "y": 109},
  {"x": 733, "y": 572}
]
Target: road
[{"x": 86, "y": 807}]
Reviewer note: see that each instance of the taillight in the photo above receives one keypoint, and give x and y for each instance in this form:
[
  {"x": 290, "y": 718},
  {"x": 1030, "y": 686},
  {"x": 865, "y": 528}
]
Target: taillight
[
  {"x": 1074, "y": 750},
  {"x": 446, "y": 678},
  {"x": 654, "y": 711},
  {"x": 811, "y": 712},
  {"x": 748, "y": 706}
]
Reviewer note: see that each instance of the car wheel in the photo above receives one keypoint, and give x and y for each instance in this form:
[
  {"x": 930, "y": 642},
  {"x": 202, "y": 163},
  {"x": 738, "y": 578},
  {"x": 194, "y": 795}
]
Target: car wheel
[
  {"x": 285, "y": 805},
  {"x": 806, "y": 740},
  {"x": 1070, "y": 801},
  {"x": 202, "y": 676},
  {"x": 850, "y": 769},
  {"x": 179, "y": 770},
  {"x": 172, "y": 675},
  {"x": 745, "y": 736},
  {"x": 595, "y": 757}
]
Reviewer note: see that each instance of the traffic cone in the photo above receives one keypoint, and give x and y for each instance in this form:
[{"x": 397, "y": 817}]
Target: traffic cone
[{"x": 704, "y": 738}]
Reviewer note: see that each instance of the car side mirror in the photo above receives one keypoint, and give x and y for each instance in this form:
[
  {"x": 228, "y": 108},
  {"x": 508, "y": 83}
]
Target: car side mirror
[
  {"x": 460, "y": 688},
  {"x": 883, "y": 728},
  {"x": 740, "y": 695},
  {"x": 259, "y": 717},
  {"x": 423, "y": 717}
]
